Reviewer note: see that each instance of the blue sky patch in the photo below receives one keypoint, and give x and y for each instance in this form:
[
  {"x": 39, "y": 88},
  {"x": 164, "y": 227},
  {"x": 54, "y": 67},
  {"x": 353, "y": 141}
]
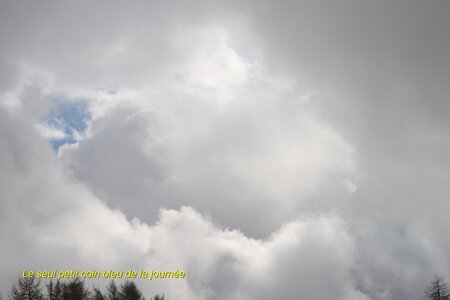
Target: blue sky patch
[{"x": 69, "y": 118}]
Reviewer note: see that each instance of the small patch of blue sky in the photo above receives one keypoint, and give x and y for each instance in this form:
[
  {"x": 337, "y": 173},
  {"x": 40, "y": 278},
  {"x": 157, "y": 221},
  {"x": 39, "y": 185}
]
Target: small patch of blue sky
[{"x": 69, "y": 118}]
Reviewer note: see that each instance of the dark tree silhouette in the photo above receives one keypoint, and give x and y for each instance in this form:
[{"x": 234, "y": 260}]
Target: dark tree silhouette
[
  {"x": 98, "y": 295},
  {"x": 26, "y": 289},
  {"x": 438, "y": 289},
  {"x": 31, "y": 289},
  {"x": 75, "y": 290},
  {"x": 112, "y": 292},
  {"x": 129, "y": 291},
  {"x": 54, "y": 290}
]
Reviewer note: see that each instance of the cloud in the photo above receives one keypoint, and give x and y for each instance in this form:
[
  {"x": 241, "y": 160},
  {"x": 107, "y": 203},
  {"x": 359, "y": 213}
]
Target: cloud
[
  {"x": 60, "y": 221},
  {"x": 213, "y": 156},
  {"x": 226, "y": 124}
]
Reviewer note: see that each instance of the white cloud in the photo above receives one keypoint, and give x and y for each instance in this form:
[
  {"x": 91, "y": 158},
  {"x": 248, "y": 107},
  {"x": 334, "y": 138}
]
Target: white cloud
[
  {"x": 249, "y": 113},
  {"x": 50, "y": 132},
  {"x": 66, "y": 226}
]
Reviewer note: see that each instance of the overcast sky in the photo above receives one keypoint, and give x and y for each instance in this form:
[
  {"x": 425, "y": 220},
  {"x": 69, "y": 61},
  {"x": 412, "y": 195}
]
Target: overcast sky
[{"x": 270, "y": 149}]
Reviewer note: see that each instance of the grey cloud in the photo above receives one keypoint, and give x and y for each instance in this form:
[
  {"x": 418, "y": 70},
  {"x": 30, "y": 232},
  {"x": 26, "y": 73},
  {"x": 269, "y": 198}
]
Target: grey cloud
[
  {"x": 210, "y": 110},
  {"x": 383, "y": 71}
]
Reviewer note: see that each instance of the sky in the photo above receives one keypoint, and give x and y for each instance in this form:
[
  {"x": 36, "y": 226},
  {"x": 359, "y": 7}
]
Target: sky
[{"x": 270, "y": 149}]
